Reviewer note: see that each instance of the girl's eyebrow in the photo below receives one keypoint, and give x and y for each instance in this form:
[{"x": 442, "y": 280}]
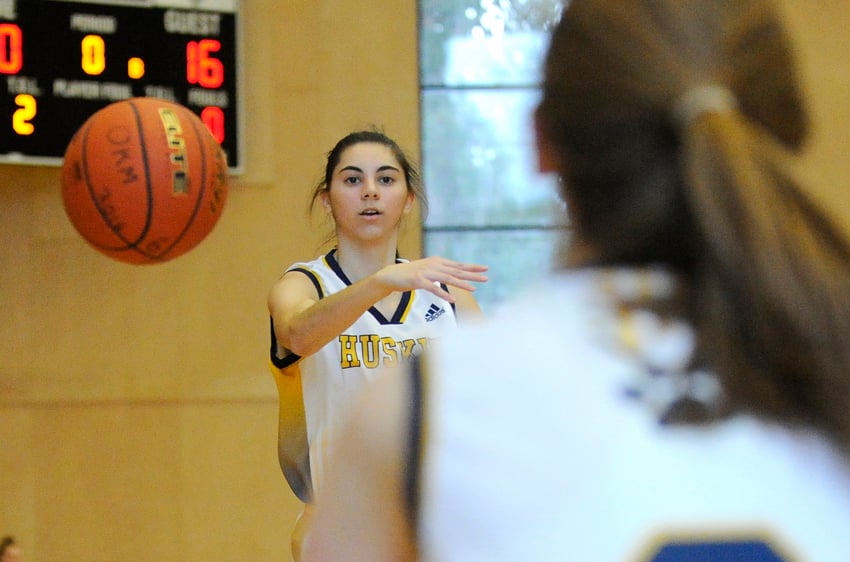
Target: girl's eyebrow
[{"x": 383, "y": 168}]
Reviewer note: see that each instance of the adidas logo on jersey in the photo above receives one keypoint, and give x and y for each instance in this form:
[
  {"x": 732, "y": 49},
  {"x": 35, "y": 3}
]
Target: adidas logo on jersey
[{"x": 433, "y": 313}]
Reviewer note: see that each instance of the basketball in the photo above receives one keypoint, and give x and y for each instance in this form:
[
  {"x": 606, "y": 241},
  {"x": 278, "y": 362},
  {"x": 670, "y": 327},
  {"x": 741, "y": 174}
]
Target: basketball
[{"x": 144, "y": 181}]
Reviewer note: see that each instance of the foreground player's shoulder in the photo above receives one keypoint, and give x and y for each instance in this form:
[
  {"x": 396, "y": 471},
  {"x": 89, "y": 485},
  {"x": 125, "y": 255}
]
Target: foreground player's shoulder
[{"x": 362, "y": 512}]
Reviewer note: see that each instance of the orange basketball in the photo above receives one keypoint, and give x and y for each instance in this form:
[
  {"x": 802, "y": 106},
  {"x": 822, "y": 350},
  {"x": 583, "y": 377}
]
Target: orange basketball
[{"x": 144, "y": 181}]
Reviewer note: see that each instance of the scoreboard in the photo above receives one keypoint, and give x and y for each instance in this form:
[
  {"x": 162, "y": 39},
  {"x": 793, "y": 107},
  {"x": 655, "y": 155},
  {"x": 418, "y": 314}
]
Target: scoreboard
[{"x": 61, "y": 61}]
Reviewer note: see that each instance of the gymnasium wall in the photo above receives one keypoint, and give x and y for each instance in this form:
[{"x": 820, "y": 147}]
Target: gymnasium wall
[{"x": 137, "y": 416}]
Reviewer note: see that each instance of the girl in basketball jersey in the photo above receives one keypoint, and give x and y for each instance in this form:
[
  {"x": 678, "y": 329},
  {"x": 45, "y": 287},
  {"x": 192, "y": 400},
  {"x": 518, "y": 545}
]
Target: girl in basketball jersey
[
  {"x": 679, "y": 391},
  {"x": 337, "y": 319},
  {"x": 9, "y": 551}
]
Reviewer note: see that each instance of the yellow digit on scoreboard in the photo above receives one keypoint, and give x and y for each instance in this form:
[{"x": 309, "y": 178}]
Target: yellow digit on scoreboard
[
  {"x": 26, "y": 111},
  {"x": 93, "y": 55}
]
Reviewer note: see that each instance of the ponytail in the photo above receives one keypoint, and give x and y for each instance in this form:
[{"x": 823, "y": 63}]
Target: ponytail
[{"x": 772, "y": 286}]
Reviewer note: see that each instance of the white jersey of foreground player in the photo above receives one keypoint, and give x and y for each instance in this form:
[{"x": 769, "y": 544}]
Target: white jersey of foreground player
[{"x": 537, "y": 447}]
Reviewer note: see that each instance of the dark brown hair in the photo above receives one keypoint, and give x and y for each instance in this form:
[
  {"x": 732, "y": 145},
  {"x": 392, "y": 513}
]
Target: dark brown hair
[
  {"x": 5, "y": 543},
  {"x": 767, "y": 272},
  {"x": 411, "y": 175}
]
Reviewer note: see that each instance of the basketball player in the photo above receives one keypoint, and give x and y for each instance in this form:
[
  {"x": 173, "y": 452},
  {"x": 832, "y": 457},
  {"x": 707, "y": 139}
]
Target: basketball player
[
  {"x": 9, "y": 550},
  {"x": 679, "y": 391},
  {"x": 336, "y": 319}
]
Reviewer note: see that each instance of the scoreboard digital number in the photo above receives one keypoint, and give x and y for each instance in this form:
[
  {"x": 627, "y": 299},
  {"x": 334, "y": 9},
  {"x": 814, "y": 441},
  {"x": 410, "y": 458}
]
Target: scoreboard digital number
[{"x": 61, "y": 61}]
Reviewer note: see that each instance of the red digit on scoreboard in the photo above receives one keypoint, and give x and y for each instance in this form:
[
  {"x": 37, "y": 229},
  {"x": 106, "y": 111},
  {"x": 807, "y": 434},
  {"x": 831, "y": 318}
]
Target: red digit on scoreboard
[
  {"x": 11, "y": 48},
  {"x": 201, "y": 68},
  {"x": 213, "y": 118}
]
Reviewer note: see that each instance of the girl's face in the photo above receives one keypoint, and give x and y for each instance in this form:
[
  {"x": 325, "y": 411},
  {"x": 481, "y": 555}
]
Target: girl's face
[
  {"x": 368, "y": 193},
  {"x": 12, "y": 554}
]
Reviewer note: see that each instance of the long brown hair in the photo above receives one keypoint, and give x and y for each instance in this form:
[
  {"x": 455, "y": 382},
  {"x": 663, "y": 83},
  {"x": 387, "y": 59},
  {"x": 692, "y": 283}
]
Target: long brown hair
[{"x": 767, "y": 272}]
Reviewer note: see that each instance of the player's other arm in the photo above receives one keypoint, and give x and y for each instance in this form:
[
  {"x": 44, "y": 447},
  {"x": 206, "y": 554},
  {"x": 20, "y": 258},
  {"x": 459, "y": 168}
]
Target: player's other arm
[{"x": 467, "y": 308}]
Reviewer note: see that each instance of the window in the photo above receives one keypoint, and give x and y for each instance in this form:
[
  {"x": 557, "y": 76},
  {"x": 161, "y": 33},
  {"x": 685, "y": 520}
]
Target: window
[{"x": 480, "y": 66}]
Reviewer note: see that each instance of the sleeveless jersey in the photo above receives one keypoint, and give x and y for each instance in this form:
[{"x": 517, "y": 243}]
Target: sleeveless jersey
[
  {"x": 541, "y": 441},
  {"x": 314, "y": 390}
]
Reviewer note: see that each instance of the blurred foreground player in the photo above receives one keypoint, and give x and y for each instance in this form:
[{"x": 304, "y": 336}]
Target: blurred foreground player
[{"x": 679, "y": 391}]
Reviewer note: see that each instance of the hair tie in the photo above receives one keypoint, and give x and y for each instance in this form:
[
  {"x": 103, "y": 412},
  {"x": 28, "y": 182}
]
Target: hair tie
[{"x": 696, "y": 102}]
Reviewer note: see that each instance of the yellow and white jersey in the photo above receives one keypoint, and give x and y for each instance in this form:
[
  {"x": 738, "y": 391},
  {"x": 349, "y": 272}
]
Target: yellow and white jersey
[
  {"x": 541, "y": 441},
  {"x": 315, "y": 389}
]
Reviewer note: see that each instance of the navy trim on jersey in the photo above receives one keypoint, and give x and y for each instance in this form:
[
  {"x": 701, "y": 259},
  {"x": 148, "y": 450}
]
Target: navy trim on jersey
[
  {"x": 399, "y": 312},
  {"x": 283, "y": 362},
  {"x": 727, "y": 551},
  {"x": 330, "y": 258},
  {"x": 446, "y": 289},
  {"x": 279, "y": 362},
  {"x": 402, "y": 305},
  {"x": 313, "y": 278}
]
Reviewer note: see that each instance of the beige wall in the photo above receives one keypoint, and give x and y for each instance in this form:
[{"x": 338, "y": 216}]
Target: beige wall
[
  {"x": 137, "y": 418},
  {"x": 819, "y": 30}
]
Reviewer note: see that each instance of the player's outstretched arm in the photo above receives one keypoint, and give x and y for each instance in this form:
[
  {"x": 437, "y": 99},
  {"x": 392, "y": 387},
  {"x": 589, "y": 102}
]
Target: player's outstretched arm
[
  {"x": 304, "y": 323},
  {"x": 429, "y": 273}
]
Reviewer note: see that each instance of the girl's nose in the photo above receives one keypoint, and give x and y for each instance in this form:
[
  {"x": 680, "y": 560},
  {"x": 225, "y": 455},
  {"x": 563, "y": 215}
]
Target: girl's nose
[{"x": 370, "y": 190}]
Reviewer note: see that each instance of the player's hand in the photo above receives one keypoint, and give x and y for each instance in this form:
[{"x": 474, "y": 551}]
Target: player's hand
[{"x": 429, "y": 273}]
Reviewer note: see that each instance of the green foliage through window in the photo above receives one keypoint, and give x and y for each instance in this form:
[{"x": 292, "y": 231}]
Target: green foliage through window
[{"x": 480, "y": 66}]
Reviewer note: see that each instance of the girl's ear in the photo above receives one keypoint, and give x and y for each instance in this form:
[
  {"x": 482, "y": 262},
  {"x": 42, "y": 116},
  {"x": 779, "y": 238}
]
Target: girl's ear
[
  {"x": 408, "y": 205},
  {"x": 325, "y": 197},
  {"x": 547, "y": 156}
]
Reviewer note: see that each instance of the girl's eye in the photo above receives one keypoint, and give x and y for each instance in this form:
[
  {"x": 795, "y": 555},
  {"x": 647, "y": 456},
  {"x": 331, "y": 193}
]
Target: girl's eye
[
  {"x": 387, "y": 180},
  {"x": 351, "y": 180}
]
